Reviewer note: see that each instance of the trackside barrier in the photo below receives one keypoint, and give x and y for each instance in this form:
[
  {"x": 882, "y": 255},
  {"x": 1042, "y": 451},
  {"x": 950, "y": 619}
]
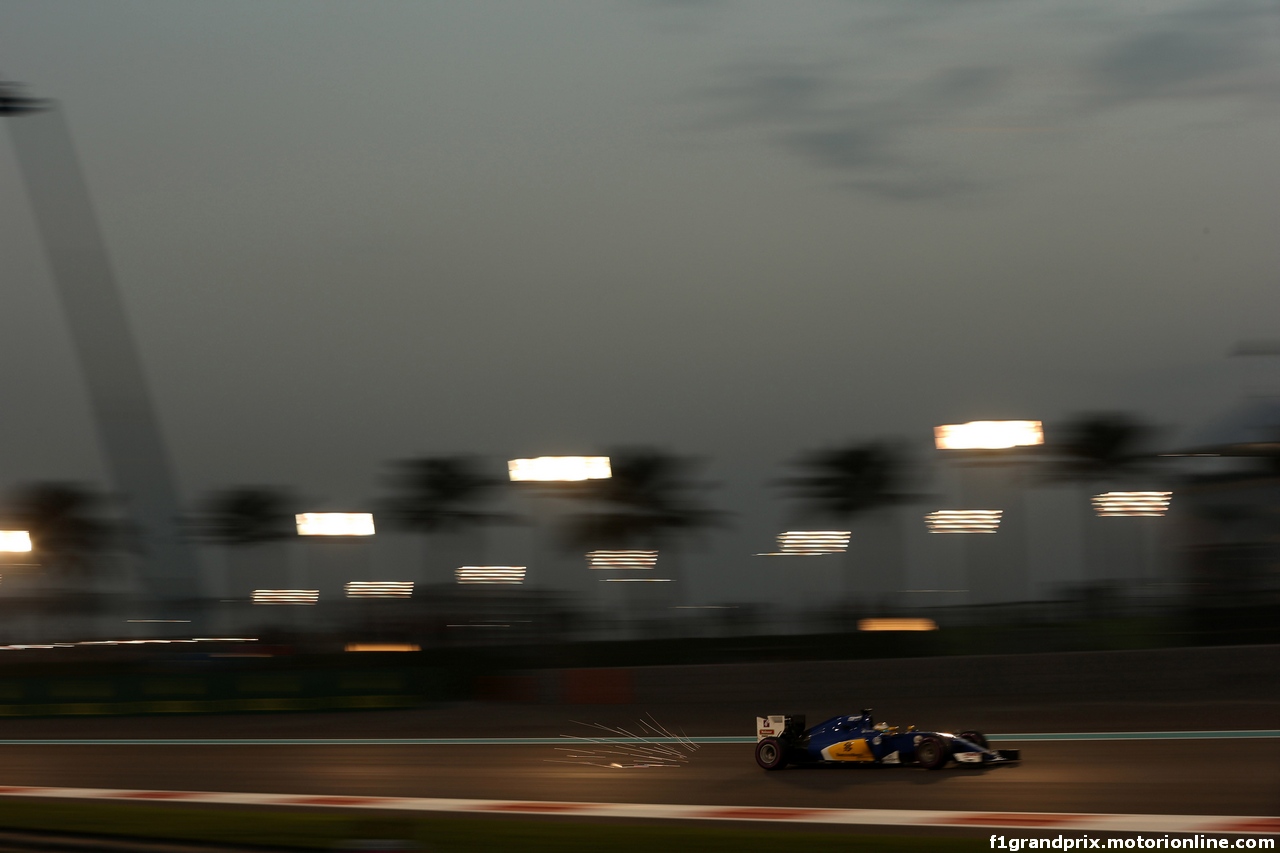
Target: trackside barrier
[
  {"x": 612, "y": 686},
  {"x": 1223, "y": 673},
  {"x": 229, "y": 691}
]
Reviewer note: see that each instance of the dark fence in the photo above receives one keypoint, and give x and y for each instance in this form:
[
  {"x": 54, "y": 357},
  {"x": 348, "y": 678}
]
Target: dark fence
[{"x": 1221, "y": 673}]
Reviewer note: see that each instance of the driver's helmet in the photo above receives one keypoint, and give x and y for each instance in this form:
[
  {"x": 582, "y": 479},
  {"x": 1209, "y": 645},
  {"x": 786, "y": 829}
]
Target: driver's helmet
[{"x": 882, "y": 727}]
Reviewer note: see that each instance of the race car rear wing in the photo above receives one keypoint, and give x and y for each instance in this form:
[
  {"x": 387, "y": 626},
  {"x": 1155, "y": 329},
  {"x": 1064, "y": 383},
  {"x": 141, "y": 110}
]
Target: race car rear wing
[{"x": 779, "y": 726}]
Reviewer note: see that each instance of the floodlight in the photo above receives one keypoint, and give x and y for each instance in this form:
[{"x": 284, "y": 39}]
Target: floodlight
[
  {"x": 559, "y": 468},
  {"x": 15, "y": 541},
  {"x": 379, "y": 589},
  {"x": 622, "y": 559},
  {"x": 490, "y": 574},
  {"x": 811, "y": 543},
  {"x": 988, "y": 435},
  {"x": 1132, "y": 504},
  {"x": 897, "y": 625},
  {"x": 335, "y": 523},
  {"x": 286, "y": 596},
  {"x": 963, "y": 520}
]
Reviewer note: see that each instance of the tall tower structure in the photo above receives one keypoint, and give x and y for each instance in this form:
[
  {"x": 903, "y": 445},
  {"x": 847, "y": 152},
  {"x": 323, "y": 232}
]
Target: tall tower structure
[{"x": 128, "y": 429}]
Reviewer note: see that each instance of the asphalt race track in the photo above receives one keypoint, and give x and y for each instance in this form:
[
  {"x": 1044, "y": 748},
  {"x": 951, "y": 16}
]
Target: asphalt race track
[
  {"x": 1220, "y": 776},
  {"x": 1230, "y": 777}
]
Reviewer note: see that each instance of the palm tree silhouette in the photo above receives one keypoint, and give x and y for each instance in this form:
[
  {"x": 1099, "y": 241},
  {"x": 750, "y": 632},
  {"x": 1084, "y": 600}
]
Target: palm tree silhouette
[
  {"x": 848, "y": 482},
  {"x": 68, "y": 537},
  {"x": 243, "y": 519},
  {"x": 442, "y": 495},
  {"x": 1098, "y": 448},
  {"x": 65, "y": 524},
  {"x": 648, "y": 502}
]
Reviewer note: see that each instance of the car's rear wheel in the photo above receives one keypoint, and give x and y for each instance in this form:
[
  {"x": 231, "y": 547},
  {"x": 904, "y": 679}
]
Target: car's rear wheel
[
  {"x": 931, "y": 752},
  {"x": 771, "y": 754},
  {"x": 976, "y": 738}
]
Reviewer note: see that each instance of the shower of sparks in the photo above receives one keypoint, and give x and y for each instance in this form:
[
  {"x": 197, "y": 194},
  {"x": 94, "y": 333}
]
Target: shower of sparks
[{"x": 652, "y": 745}]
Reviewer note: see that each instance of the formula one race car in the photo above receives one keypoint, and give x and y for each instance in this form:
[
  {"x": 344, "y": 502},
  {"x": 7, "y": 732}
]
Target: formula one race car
[{"x": 783, "y": 740}]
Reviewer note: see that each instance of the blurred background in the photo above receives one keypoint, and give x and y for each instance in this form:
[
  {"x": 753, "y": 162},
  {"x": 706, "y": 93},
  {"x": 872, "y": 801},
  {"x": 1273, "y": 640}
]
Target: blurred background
[
  {"x": 267, "y": 267},
  {"x": 495, "y": 341}
]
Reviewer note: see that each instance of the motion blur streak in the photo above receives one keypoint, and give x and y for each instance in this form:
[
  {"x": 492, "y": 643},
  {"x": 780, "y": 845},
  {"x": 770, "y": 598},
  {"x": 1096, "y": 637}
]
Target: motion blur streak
[
  {"x": 902, "y": 624},
  {"x": 383, "y": 647},
  {"x": 379, "y": 589},
  {"x": 490, "y": 574},
  {"x": 15, "y": 541},
  {"x": 963, "y": 520},
  {"x": 800, "y": 542},
  {"x": 335, "y": 524},
  {"x": 286, "y": 596},
  {"x": 126, "y": 642},
  {"x": 1130, "y": 504},
  {"x": 622, "y": 559},
  {"x": 18, "y": 647},
  {"x": 559, "y": 469},
  {"x": 988, "y": 435}
]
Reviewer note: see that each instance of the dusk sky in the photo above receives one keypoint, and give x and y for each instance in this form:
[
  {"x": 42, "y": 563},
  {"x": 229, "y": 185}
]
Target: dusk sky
[{"x": 351, "y": 233}]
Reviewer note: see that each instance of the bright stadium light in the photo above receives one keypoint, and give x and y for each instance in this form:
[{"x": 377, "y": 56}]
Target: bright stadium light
[
  {"x": 335, "y": 523},
  {"x": 545, "y": 469},
  {"x": 286, "y": 596},
  {"x": 810, "y": 543},
  {"x": 15, "y": 541},
  {"x": 988, "y": 435},
  {"x": 1132, "y": 504},
  {"x": 379, "y": 589},
  {"x": 897, "y": 625},
  {"x": 622, "y": 559},
  {"x": 963, "y": 520},
  {"x": 490, "y": 574}
]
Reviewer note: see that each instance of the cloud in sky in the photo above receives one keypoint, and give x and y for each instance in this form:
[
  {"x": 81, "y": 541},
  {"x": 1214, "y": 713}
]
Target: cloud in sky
[
  {"x": 813, "y": 112},
  {"x": 1210, "y": 50},
  {"x": 866, "y": 115}
]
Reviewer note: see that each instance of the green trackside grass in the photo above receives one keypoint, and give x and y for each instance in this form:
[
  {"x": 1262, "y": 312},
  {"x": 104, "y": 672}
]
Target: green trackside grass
[{"x": 325, "y": 831}]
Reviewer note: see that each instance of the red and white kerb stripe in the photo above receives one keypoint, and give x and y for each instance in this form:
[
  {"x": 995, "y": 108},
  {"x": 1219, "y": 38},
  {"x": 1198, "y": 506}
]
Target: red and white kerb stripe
[{"x": 1207, "y": 824}]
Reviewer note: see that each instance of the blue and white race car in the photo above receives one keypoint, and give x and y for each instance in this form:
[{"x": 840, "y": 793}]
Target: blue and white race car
[{"x": 783, "y": 740}]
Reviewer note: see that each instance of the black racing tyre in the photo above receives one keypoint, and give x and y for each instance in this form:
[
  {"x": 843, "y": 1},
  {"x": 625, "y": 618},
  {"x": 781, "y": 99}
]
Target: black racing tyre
[
  {"x": 931, "y": 752},
  {"x": 976, "y": 737},
  {"x": 771, "y": 754}
]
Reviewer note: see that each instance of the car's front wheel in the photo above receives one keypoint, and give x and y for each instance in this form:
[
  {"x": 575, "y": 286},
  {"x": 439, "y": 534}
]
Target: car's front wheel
[
  {"x": 931, "y": 752},
  {"x": 976, "y": 738},
  {"x": 771, "y": 754}
]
